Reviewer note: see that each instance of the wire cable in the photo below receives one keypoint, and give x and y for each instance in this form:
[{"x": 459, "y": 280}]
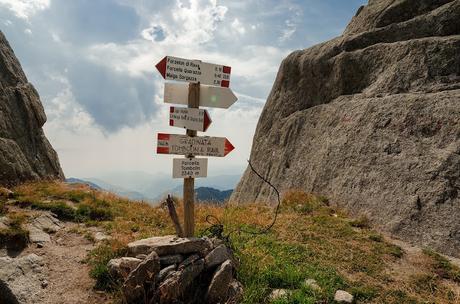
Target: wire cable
[{"x": 217, "y": 228}]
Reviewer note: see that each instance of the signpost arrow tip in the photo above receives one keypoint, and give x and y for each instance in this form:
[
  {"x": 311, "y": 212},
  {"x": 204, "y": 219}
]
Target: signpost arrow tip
[
  {"x": 161, "y": 67},
  {"x": 228, "y": 147},
  {"x": 207, "y": 120}
]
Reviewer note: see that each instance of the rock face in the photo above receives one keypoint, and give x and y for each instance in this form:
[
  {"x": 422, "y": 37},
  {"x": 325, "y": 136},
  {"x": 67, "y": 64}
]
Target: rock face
[
  {"x": 21, "y": 279},
  {"x": 372, "y": 120},
  {"x": 25, "y": 153}
]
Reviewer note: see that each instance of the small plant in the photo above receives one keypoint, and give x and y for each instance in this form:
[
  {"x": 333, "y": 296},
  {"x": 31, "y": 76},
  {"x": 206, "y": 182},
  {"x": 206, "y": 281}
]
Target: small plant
[
  {"x": 363, "y": 223},
  {"x": 15, "y": 237},
  {"x": 443, "y": 267},
  {"x": 86, "y": 212},
  {"x": 376, "y": 237},
  {"x": 76, "y": 196},
  {"x": 98, "y": 259},
  {"x": 425, "y": 282},
  {"x": 396, "y": 251},
  {"x": 364, "y": 293}
]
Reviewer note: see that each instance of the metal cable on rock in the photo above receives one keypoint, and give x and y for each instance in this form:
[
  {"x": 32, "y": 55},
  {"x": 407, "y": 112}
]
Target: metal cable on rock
[{"x": 217, "y": 229}]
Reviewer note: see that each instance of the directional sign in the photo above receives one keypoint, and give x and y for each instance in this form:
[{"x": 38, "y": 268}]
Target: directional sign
[
  {"x": 190, "y": 167},
  {"x": 180, "y": 69},
  {"x": 210, "y": 96},
  {"x": 189, "y": 118},
  {"x": 198, "y": 145}
]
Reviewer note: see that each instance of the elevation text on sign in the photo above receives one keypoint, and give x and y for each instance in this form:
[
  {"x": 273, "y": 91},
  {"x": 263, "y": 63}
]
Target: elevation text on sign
[{"x": 190, "y": 167}]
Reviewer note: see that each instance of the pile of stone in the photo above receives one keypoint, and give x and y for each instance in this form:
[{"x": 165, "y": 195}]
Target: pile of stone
[{"x": 170, "y": 269}]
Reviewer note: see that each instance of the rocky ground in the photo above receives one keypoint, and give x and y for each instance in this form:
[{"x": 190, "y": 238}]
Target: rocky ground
[
  {"x": 52, "y": 268},
  {"x": 78, "y": 252}
]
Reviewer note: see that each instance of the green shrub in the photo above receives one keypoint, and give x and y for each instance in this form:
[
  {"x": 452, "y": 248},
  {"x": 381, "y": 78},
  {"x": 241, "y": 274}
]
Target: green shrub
[
  {"x": 83, "y": 213},
  {"x": 76, "y": 196},
  {"x": 61, "y": 209},
  {"x": 396, "y": 251},
  {"x": 98, "y": 259},
  {"x": 87, "y": 212},
  {"x": 364, "y": 293},
  {"x": 376, "y": 238},
  {"x": 363, "y": 223},
  {"x": 443, "y": 267}
]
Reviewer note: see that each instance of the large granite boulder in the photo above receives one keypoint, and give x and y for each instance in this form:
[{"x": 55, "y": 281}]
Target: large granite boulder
[
  {"x": 372, "y": 120},
  {"x": 25, "y": 153}
]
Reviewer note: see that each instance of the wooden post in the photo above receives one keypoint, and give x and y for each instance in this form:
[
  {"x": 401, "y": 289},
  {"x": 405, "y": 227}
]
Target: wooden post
[
  {"x": 174, "y": 217},
  {"x": 189, "y": 183}
]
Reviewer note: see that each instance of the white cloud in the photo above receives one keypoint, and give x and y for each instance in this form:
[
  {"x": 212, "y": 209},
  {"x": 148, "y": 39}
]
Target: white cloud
[
  {"x": 195, "y": 24},
  {"x": 25, "y": 8},
  {"x": 238, "y": 27},
  {"x": 296, "y": 14},
  {"x": 65, "y": 113}
]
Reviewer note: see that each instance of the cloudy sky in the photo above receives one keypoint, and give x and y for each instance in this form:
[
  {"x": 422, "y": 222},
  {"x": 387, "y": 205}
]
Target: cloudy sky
[{"x": 93, "y": 63}]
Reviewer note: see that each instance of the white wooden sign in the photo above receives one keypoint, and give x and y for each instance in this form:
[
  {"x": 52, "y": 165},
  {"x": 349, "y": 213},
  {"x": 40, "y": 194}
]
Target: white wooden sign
[
  {"x": 198, "y": 145},
  {"x": 190, "y": 167},
  {"x": 180, "y": 69},
  {"x": 189, "y": 118},
  {"x": 210, "y": 96}
]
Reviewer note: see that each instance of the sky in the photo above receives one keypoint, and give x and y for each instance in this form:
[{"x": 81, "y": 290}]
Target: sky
[{"x": 93, "y": 63}]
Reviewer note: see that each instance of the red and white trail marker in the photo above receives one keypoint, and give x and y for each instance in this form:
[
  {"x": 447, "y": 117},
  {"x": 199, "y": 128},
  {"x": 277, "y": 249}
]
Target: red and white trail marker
[
  {"x": 189, "y": 118},
  {"x": 198, "y": 145},
  {"x": 214, "y": 97},
  {"x": 180, "y": 69}
]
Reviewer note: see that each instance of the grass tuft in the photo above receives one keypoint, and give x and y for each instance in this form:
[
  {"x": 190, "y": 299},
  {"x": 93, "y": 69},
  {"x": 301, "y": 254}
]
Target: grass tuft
[
  {"x": 98, "y": 259},
  {"x": 362, "y": 222},
  {"x": 15, "y": 237},
  {"x": 443, "y": 267}
]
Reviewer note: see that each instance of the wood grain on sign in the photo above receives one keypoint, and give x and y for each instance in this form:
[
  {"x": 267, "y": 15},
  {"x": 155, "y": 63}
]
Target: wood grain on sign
[{"x": 214, "y": 97}]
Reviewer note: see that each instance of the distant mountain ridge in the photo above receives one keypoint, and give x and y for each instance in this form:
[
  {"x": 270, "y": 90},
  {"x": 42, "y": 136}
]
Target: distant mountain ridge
[{"x": 143, "y": 186}]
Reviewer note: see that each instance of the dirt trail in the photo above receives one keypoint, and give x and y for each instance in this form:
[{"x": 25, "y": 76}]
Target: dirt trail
[{"x": 68, "y": 276}]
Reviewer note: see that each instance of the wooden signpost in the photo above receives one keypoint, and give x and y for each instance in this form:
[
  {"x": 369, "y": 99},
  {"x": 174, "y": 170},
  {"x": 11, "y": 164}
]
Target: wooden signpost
[{"x": 213, "y": 93}]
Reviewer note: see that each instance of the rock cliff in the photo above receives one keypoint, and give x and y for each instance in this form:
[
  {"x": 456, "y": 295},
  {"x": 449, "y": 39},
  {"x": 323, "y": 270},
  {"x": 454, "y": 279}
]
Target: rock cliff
[
  {"x": 372, "y": 120},
  {"x": 25, "y": 153}
]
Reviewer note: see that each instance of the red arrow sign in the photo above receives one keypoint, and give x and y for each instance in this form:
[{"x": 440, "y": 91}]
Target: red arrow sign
[
  {"x": 189, "y": 118},
  {"x": 198, "y": 145},
  {"x": 180, "y": 69}
]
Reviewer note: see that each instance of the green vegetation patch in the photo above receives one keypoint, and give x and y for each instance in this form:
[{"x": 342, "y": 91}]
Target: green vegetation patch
[
  {"x": 15, "y": 237},
  {"x": 267, "y": 264},
  {"x": 85, "y": 212},
  {"x": 98, "y": 259},
  {"x": 443, "y": 267}
]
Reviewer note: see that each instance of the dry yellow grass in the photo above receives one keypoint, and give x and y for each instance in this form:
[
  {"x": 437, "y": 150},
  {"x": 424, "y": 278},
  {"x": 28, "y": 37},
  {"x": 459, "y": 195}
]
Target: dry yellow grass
[{"x": 309, "y": 240}]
